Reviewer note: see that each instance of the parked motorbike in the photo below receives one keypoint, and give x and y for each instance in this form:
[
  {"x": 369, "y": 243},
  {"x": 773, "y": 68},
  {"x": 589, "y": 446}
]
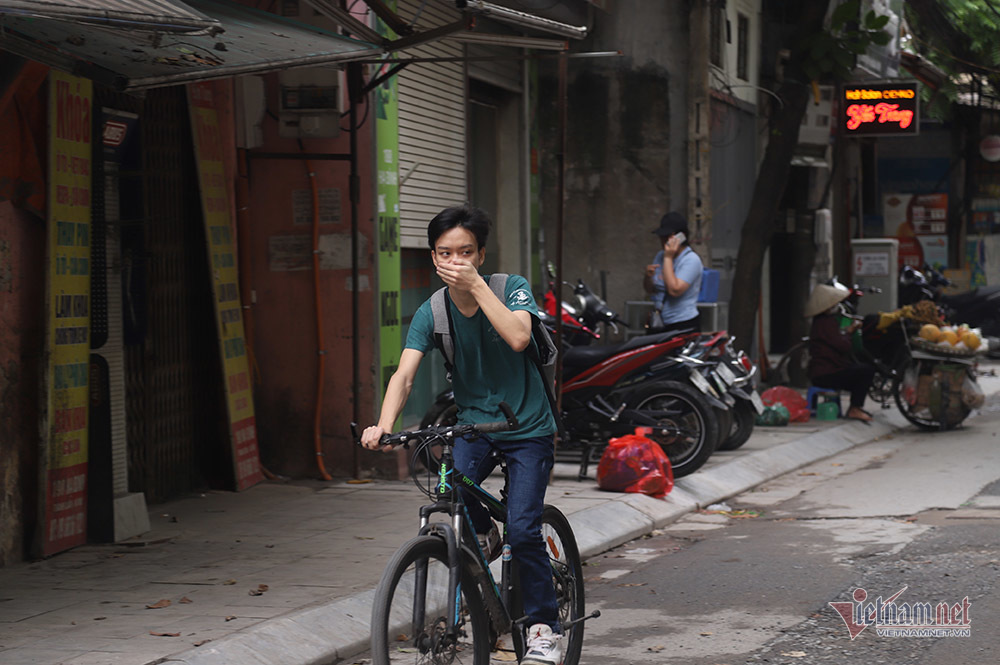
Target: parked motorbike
[
  {"x": 677, "y": 386},
  {"x": 978, "y": 308},
  {"x": 581, "y": 318},
  {"x": 735, "y": 369},
  {"x": 610, "y": 390}
]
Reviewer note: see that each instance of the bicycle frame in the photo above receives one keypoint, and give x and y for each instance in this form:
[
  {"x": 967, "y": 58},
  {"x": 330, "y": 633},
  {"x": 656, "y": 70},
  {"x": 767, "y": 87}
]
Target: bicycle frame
[{"x": 450, "y": 501}]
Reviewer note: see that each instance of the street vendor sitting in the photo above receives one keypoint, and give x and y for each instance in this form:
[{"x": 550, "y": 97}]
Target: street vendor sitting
[{"x": 831, "y": 360}]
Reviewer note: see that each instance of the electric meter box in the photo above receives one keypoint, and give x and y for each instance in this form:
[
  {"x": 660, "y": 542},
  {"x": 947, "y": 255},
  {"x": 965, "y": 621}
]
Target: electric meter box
[
  {"x": 875, "y": 263},
  {"x": 309, "y": 100}
]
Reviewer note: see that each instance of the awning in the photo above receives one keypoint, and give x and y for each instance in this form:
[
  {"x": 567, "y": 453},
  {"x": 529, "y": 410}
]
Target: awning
[
  {"x": 158, "y": 15},
  {"x": 252, "y": 41}
]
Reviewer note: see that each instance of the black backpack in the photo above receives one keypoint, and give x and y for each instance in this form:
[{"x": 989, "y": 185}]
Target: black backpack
[{"x": 542, "y": 352}]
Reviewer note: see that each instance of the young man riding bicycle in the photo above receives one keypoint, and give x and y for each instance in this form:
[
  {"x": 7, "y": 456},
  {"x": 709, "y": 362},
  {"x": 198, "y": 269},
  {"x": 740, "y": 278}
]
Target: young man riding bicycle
[{"x": 491, "y": 338}]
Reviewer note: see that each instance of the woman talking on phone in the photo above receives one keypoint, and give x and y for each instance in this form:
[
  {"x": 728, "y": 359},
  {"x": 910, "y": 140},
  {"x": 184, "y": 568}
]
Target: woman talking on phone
[{"x": 674, "y": 279}]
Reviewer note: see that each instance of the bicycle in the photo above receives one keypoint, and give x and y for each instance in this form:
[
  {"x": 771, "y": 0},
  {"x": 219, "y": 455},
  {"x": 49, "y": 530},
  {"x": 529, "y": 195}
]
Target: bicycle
[{"x": 438, "y": 600}]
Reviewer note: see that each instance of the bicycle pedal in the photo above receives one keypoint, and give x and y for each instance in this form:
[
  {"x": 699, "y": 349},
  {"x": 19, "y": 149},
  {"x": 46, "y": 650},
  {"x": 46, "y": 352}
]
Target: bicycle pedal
[{"x": 593, "y": 615}]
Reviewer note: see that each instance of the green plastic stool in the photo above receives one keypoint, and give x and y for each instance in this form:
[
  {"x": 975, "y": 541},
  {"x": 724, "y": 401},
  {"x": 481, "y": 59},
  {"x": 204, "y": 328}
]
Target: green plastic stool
[{"x": 827, "y": 410}]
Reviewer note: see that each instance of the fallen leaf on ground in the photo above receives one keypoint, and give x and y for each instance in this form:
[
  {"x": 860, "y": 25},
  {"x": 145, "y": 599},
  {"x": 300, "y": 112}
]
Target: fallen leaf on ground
[
  {"x": 155, "y": 633},
  {"x": 505, "y": 656},
  {"x": 734, "y": 514},
  {"x": 229, "y": 582},
  {"x": 230, "y": 618},
  {"x": 809, "y": 473},
  {"x": 185, "y": 601},
  {"x": 705, "y": 634},
  {"x": 200, "y": 642},
  {"x": 794, "y": 654},
  {"x": 658, "y": 647},
  {"x": 359, "y": 481},
  {"x": 158, "y": 605},
  {"x": 259, "y": 591},
  {"x": 100, "y": 618},
  {"x": 628, "y": 584}
]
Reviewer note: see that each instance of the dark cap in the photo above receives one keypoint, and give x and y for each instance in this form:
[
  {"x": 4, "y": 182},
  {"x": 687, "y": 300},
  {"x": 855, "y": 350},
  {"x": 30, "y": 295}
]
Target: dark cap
[{"x": 672, "y": 223}]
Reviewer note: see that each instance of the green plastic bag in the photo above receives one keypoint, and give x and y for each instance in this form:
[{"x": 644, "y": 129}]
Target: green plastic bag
[{"x": 775, "y": 415}]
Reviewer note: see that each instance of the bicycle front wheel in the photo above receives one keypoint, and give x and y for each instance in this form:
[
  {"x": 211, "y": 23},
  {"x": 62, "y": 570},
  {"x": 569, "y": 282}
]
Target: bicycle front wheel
[
  {"x": 567, "y": 574},
  {"x": 412, "y": 607}
]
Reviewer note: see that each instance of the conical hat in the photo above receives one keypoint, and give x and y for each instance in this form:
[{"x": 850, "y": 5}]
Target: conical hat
[{"x": 823, "y": 298}]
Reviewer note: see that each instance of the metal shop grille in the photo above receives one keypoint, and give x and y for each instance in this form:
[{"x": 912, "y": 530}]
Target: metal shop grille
[{"x": 176, "y": 421}]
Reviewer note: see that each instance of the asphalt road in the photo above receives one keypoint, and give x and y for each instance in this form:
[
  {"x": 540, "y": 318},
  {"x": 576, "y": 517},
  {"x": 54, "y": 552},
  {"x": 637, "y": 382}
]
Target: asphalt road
[{"x": 751, "y": 582}]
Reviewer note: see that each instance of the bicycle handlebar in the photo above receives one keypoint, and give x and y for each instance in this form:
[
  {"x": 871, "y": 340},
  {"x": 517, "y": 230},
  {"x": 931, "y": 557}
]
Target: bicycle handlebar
[{"x": 445, "y": 431}]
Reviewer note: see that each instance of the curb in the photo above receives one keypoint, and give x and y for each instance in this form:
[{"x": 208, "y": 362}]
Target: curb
[{"x": 326, "y": 632}]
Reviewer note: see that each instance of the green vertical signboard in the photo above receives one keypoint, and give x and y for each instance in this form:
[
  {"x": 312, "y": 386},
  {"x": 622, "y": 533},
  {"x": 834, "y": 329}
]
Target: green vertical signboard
[{"x": 387, "y": 215}]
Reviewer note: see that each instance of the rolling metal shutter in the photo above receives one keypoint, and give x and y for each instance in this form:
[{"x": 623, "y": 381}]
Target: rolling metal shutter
[
  {"x": 432, "y": 127},
  {"x": 497, "y": 66}
]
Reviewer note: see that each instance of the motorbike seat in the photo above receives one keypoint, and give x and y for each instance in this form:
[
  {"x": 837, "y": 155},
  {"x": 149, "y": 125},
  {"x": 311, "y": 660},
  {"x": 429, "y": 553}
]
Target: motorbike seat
[
  {"x": 576, "y": 359},
  {"x": 960, "y": 300}
]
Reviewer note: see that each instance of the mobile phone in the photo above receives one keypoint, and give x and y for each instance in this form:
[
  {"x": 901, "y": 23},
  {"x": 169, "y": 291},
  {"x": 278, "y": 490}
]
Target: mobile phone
[{"x": 680, "y": 238}]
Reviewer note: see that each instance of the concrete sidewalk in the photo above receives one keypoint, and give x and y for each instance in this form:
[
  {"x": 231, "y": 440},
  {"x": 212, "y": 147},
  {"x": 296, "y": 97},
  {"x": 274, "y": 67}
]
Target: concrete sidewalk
[{"x": 284, "y": 572}]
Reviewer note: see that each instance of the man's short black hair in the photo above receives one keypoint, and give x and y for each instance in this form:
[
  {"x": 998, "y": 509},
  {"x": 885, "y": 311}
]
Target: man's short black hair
[{"x": 472, "y": 219}]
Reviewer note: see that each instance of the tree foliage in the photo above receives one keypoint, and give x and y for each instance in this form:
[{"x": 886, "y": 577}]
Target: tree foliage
[
  {"x": 831, "y": 52},
  {"x": 962, "y": 39}
]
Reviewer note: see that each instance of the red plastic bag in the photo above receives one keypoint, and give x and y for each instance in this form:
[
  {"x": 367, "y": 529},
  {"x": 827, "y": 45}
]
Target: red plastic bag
[
  {"x": 798, "y": 409},
  {"x": 634, "y": 463}
]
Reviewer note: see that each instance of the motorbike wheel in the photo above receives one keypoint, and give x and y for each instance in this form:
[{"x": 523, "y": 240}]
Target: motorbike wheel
[
  {"x": 921, "y": 418},
  {"x": 726, "y": 421},
  {"x": 679, "y": 406},
  {"x": 744, "y": 418}
]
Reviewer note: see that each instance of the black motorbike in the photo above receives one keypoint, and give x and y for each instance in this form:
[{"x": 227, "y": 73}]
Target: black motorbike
[{"x": 978, "y": 308}]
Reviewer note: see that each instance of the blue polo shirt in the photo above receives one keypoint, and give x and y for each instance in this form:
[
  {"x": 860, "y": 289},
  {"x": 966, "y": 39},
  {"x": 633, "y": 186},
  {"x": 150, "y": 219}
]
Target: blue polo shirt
[{"x": 687, "y": 267}]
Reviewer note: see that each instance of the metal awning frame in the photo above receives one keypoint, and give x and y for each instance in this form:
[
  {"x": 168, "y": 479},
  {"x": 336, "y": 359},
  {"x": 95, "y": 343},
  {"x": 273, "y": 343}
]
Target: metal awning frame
[{"x": 184, "y": 19}]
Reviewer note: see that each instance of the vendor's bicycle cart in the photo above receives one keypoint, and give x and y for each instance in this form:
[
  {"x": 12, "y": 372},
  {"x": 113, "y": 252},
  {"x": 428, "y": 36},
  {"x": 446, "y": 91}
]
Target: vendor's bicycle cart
[{"x": 934, "y": 385}]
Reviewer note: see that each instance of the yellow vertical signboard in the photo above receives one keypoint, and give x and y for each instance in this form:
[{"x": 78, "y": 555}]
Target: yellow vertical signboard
[
  {"x": 207, "y": 137},
  {"x": 68, "y": 320}
]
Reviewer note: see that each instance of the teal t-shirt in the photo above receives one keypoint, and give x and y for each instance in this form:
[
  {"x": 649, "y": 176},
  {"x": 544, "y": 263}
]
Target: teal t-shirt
[{"x": 487, "y": 371}]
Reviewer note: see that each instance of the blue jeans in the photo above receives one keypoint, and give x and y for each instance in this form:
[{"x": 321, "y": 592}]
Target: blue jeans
[{"x": 529, "y": 462}]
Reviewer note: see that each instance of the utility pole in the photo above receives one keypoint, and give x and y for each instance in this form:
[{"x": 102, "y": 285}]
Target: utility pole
[{"x": 699, "y": 208}]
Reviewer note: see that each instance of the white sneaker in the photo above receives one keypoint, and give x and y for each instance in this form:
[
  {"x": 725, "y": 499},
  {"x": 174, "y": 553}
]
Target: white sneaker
[
  {"x": 489, "y": 543},
  {"x": 542, "y": 647}
]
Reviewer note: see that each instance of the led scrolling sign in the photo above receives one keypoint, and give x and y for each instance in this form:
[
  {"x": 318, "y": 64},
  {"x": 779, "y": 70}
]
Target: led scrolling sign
[{"x": 880, "y": 109}]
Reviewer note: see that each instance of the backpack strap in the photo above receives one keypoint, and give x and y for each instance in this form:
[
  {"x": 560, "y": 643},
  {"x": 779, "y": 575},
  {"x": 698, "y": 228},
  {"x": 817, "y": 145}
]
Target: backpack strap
[{"x": 441, "y": 311}]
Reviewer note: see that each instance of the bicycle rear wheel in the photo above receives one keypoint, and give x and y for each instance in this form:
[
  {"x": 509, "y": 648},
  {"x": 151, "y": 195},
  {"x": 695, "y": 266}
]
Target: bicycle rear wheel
[
  {"x": 567, "y": 574},
  {"x": 410, "y": 612}
]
